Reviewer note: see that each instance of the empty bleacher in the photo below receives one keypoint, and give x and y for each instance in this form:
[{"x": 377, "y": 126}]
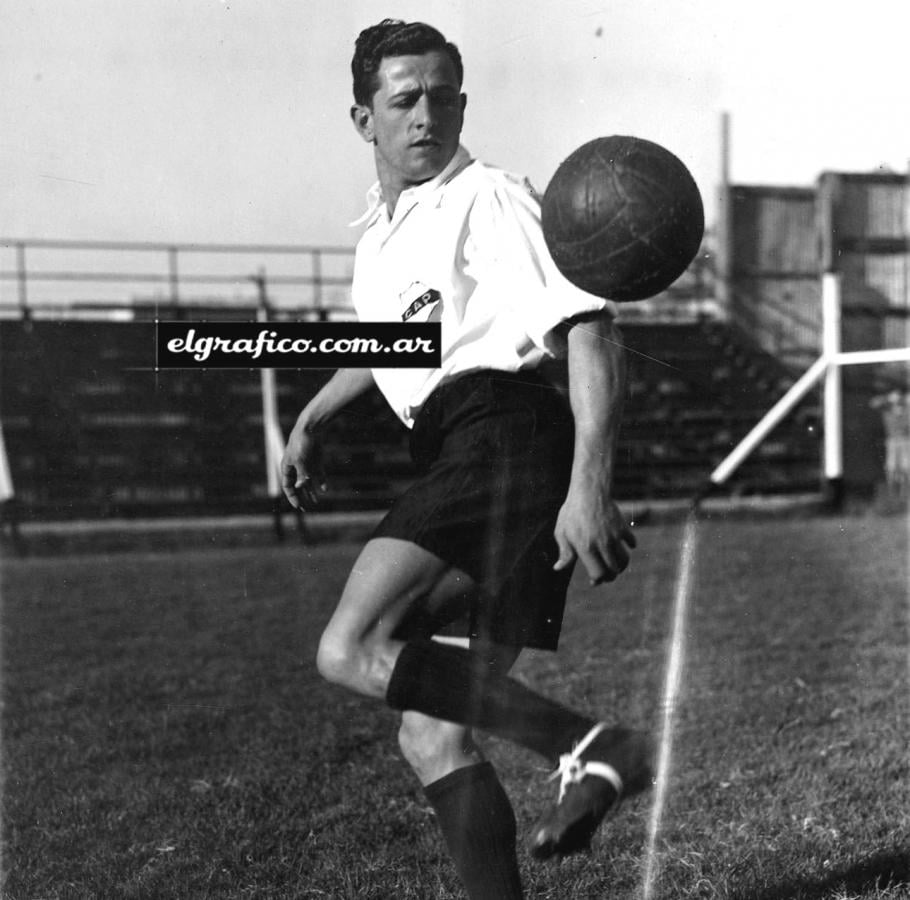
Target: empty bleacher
[
  {"x": 92, "y": 429},
  {"x": 695, "y": 390}
]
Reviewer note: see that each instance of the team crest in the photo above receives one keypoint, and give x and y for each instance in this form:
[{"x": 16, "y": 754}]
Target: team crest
[{"x": 416, "y": 297}]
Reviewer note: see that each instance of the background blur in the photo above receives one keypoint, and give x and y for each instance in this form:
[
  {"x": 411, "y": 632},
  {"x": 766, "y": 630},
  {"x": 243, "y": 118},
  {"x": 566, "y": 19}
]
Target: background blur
[{"x": 227, "y": 120}]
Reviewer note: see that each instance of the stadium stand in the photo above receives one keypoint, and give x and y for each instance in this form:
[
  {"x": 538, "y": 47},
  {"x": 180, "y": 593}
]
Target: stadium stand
[
  {"x": 694, "y": 391},
  {"x": 92, "y": 430}
]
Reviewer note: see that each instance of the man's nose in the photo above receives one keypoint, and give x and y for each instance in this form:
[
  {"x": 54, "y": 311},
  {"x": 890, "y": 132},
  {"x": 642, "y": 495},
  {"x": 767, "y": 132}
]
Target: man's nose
[{"x": 424, "y": 112}]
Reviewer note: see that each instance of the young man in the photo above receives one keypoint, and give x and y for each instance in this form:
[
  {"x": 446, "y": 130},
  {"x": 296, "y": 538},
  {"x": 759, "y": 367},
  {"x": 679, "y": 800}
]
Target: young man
[{"x": 515, "y": 434}]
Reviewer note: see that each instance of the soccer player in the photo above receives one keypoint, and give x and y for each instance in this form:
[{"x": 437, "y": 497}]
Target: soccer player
[{"x": 515, "y": 437}]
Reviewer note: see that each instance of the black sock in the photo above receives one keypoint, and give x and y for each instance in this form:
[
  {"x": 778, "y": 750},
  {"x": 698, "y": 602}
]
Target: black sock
[
  {"x": 456, "y": 685},
  {"x": 478, "y": 824}
]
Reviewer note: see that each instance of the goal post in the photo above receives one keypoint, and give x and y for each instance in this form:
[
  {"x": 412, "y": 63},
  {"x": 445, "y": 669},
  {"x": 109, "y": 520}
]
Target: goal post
[
  {"x": 827, "y": 368},
  {"x": 273, "y": 438}
]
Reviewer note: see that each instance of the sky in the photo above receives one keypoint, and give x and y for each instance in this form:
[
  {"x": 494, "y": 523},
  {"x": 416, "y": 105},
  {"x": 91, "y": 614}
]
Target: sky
[{"x": 227, "y": 120}]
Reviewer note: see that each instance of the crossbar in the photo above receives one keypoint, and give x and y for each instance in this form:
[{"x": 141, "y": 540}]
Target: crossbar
[{"x": 827, "y": 366}]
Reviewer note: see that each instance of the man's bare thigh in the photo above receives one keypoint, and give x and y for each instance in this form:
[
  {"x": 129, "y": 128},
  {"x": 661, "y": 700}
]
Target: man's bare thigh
[{"x": 397, "y": 591}]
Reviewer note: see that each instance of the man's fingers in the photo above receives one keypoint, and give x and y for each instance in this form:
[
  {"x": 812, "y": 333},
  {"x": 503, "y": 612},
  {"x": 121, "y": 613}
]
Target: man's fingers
[
  {"x": 288, "y": 485},
  {"x": 300, "y": 488},
  {"x": 604, "y": 552},
  {"x": 306, "y": 490},
  {"x": 598, "y": 571},
  {"x": 597, "y": 564},
  {"x": 606, "y": 564},
  {"x": 566, "y": 553}
]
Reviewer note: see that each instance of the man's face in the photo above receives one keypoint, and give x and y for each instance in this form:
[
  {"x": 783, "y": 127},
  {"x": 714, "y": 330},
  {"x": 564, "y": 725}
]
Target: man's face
[{"x": 415, "y": 120}]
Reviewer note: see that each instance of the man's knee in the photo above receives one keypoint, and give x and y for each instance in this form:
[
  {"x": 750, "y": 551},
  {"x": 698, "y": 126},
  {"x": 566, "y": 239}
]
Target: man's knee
[
  {"x": 342, "y": 661},
  {"x": 363, "y": 666},
  {"x": 333, "y": 660},
  {"x": 431, "y": 745}
]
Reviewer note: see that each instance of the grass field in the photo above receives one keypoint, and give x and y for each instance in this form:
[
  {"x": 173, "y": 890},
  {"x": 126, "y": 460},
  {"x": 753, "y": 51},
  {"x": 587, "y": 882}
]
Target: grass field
[{"x": 165, "y": 734}]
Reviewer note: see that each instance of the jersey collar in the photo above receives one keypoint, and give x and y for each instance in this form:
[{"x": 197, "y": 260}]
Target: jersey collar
[{"x": 376, "y": 204}]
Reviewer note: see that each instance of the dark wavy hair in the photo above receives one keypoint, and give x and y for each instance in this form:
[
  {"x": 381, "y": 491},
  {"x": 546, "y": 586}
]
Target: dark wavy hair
[{"x": 394, "y": 37}]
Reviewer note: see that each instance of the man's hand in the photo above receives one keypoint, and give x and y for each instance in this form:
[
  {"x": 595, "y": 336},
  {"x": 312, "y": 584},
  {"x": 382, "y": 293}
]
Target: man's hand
[
  {"x": 302, "y": 475},
  {"x": 591, "y": 528}
]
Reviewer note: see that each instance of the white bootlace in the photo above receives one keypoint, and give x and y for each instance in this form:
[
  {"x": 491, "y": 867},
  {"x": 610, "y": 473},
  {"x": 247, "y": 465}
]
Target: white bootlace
[{"x": 572, "y": 768}]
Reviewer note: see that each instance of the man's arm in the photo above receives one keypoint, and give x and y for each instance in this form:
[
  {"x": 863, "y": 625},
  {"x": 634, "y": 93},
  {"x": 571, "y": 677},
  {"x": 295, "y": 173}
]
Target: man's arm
[
  {"x": 301, "y": 465},
  {"x": 590, "y": 527}
]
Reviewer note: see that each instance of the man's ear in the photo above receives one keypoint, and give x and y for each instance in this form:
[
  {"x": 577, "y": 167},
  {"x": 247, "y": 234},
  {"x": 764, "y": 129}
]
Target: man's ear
[{"x": 362, "y": 117}]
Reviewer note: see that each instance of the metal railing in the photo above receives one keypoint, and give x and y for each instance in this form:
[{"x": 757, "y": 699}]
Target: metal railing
[
  {"x": 51, "y": 277},
  {"x": 60, "y": 278}
]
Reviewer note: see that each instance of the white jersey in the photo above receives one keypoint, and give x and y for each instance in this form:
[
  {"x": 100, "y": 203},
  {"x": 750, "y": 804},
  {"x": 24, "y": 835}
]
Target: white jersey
[{"x": 464, "y": 249}]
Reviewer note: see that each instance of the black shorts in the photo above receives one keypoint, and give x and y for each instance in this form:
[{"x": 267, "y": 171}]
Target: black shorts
[{"x": 494, "y": 451}]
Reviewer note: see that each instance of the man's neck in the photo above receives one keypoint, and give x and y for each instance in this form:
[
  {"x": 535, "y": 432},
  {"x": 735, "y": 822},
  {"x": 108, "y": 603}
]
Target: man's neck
[
  {"x": 392, "y": 187},
  {"x": 390, "y": 196}
]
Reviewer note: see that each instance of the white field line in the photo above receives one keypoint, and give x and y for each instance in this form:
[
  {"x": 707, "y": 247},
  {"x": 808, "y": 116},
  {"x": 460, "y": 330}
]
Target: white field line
[{"x": 672, "y": 684}]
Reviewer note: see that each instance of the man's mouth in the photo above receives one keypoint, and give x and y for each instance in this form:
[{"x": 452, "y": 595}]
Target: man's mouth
[{"x": 426, "y": 142}]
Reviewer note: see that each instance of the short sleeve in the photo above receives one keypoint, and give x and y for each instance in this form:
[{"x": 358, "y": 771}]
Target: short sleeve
[{"x": 508, "y": 258}]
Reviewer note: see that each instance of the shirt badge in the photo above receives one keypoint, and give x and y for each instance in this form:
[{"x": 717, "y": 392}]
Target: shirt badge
[{"x": 416, "y": 297}]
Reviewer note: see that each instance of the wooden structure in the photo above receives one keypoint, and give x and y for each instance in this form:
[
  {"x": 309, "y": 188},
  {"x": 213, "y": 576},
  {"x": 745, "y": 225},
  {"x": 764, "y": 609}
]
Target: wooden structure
[{"x": 776, "y": 245}]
